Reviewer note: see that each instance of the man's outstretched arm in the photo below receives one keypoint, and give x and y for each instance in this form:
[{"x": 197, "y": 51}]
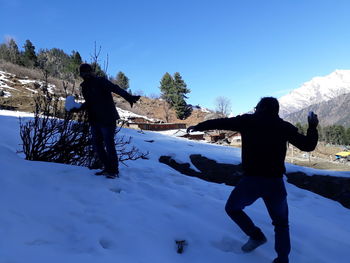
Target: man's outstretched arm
[
  {"x": 233, "y": 124},
  {"x": 121, "y": 92},
  {"x": 309, "y": 141}
]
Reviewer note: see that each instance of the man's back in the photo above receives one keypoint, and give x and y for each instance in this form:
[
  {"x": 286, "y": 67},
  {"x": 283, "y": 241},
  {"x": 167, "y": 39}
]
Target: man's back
[
  {"x": 99, "y": 101},
  {"x": 264, "y": 144}
]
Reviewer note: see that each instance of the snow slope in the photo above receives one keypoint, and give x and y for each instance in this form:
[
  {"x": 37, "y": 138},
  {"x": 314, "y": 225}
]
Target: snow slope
[
  {"x": 59, "y": 213},
  {"x": 7, "y": 80},
  {"x": 317, "y": 90}
]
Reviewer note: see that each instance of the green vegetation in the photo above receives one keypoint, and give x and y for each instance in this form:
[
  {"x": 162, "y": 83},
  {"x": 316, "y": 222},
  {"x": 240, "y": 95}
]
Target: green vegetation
[
  {"x": 173, "y": 90},
  {"x": 122, "y": 81},
  {"x": 333, "y": 134},
  {"x": 55, "y": 61}
]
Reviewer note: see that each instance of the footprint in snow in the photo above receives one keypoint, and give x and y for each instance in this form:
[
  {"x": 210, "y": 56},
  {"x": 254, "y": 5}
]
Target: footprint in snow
[
  {"x": 105, "y": 243},
  {"x": 116, "y": 190},
  {"x": 227, "y": 244}
]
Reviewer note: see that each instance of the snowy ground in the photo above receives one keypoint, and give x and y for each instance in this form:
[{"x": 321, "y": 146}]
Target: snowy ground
[{"x": 59, "y": 213}]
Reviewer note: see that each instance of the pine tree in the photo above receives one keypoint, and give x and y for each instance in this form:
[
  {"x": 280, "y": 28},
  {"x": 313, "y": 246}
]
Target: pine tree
[
  {"x": 122, "y": 80},
  {"x": 99, "y": 72},
  {"x": 75, "y": 62},
  {"x": 174, "y": 90},
  {"x": 15, "y": 56},
  {"x": 182, "y": 109},
  {"x": 167, "y": 88},
  {"x": 348, "y": 136},
  {"x": 76, "y": 58},
  {"x": 335, "y": 134},
  {"x": 4, "y": 52},
  {"x": 180, "y": 85},
  {"x": 29, "y": 57},
  {"x": 55, "y": 61}
]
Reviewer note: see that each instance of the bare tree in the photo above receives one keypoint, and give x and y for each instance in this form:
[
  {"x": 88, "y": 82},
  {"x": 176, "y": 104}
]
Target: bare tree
[
  {"x": 166, "y": 109},
  {"x": 223, "y": 105},
  {"x": 95, "y": 62},
  {"x": 95, "y": 55}
]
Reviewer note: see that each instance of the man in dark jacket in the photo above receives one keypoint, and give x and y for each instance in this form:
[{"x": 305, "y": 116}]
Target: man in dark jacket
[
  {"x": 102, "y": 116},
  {"x": 264, "y": 144}
]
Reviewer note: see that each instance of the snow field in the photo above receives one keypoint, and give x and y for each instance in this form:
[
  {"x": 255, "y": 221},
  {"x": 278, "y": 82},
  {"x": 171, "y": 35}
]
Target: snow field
[{"x": 59, "y": 213}]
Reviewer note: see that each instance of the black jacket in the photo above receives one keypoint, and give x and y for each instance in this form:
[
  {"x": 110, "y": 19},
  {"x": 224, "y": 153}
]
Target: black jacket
[
  {"x": 264, "y": 141},
  {"x": 99, "y": 103}
]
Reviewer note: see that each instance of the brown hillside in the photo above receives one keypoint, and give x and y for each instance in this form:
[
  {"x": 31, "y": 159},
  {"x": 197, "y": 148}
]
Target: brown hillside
[{"x": 18, "y": 91}]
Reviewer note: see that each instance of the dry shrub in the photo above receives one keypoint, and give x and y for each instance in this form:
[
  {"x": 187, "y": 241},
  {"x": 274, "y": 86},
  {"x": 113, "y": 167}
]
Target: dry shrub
[{"x": 54, "y": 136}]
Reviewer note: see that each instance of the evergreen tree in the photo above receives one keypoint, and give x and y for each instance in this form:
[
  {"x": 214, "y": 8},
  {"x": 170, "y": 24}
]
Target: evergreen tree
[
  {"x": 74, "y": 64},
  {"x": 174, "y": 90},
  {"x": 29, "y": 57},
  {"x": 340, "y": 133},
  {"x": 98, "y": 70},
  {"x": 320, "y": 133},
  {"x": 348, "y": 136},
  {"x": 335, "y": 134},
  {"x": 167, "y": 88},
  {"x": 122, "y": 80},
  {"x": 76, "y": 58},
  {"x": 181, "y": 108},
  {"x": 15, "y": 56},
  {"x": 55, "y": 61},
  {"x": 4, "y": 52},
  {"x": 180, "y": 85}
]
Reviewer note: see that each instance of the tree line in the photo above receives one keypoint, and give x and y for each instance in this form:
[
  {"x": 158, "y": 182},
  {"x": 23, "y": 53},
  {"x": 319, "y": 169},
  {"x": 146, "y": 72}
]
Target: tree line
[
  {"x": 333, "y": 134},
  {"x": 57, "y": 63}
]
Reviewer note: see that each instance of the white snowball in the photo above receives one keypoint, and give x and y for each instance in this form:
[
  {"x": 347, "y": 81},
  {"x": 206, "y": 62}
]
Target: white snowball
[{"x": 71, "y": 104}]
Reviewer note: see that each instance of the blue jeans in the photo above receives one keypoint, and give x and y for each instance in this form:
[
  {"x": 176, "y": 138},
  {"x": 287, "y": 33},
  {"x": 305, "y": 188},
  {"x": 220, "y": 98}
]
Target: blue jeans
[
  {"x": 274, "y": 194},
  {"x": 104, "y": 145}
]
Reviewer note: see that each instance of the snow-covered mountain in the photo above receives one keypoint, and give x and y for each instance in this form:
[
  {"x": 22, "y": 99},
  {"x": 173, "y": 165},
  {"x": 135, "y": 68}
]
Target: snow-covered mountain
[
  {"x": 331, "y": 112},
  {"x": 315, "y": 91}
]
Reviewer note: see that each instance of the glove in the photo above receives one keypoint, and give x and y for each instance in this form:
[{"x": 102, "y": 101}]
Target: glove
[
  {"x": 191, "y": 129},
  {"x": 133, "y": 100},
  {"x": 312, "y": 119}
]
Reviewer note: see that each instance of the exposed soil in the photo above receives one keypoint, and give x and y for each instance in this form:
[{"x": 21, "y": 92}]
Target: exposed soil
[{"x": 323, "y": 157}]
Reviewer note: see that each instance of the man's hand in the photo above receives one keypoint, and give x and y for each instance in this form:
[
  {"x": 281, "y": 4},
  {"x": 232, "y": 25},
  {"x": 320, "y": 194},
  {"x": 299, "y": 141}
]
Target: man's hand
[
  {"x": 191, "y": 129},
  {"x": 133, "y": 100},
  {"x": 312, "y": 119}
]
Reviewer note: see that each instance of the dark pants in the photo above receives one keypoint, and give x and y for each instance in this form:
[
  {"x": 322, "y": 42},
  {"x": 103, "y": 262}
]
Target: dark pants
[
  {"x": 104, "y": 145},
  {"x": 273, "y": 192}
]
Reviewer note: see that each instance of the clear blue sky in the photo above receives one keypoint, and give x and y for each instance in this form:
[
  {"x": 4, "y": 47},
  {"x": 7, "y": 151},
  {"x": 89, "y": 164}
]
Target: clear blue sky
[{"x": 242, "y": 50}]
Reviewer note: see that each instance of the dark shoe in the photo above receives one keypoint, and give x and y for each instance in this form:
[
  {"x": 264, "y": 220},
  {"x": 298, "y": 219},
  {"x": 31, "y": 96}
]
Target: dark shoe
[
  {"x": 253, "y": 244},
  {"x": 277, "y": 260}
]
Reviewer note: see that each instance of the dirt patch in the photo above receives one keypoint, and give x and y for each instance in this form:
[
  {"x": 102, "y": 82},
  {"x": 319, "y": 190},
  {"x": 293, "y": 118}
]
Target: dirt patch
[{"x": 323, "y": 157}]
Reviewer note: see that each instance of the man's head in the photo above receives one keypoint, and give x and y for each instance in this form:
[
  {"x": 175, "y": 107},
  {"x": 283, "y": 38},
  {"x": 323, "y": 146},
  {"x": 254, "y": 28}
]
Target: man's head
[
  {"x": 85, "y": 70},
  {"x": 268, "y": 106}
]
